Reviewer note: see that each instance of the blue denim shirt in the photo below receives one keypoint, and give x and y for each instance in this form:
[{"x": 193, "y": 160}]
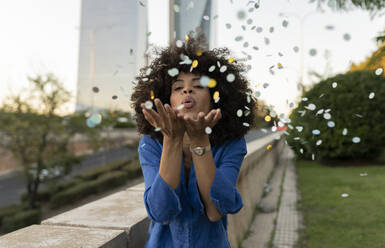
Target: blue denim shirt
[{"x": 178, "y": 218}]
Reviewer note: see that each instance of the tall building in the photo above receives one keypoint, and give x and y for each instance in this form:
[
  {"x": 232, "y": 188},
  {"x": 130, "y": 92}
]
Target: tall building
[
  {"x": 113, "y": 41},
  {"x": 193, "y": 14}
]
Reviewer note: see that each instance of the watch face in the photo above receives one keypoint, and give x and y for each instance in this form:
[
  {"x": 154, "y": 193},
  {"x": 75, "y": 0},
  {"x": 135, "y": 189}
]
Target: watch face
[{"x": 199, "y": 151}]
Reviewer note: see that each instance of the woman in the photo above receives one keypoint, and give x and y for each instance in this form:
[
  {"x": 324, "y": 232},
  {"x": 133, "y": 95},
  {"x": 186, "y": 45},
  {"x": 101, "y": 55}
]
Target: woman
[{"x": 194, "y": 107}]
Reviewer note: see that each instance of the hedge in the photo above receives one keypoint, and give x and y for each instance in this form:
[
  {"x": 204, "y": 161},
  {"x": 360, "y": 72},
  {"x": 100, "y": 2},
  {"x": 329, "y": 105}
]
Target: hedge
[
  {"x": 104, "y": 182},
  {"x": 340, "y": 118},
  {"x": 20, "y": 220}
]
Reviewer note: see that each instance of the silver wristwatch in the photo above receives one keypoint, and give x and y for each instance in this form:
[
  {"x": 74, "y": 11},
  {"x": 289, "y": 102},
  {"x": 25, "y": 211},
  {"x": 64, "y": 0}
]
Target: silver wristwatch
[{"x": 200, "y": 150}]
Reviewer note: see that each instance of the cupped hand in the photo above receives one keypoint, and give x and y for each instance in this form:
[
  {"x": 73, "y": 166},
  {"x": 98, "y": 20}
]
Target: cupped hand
[
  {"x": 165, "y": 119},
  {"x": 195, "y": 127}
]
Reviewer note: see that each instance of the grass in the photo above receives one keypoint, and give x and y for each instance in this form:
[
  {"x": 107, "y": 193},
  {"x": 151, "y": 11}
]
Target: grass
[{"x": 345, "y": 222}]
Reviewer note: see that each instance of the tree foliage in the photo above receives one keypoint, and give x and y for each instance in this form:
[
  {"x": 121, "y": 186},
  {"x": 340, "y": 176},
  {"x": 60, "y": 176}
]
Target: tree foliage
[
  {"x": 350, "y": 108},
  {"x": 32, "y": 129}
]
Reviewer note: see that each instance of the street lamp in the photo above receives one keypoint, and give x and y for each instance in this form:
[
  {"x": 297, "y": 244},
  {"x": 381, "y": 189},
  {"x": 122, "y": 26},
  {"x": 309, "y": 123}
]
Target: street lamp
[{"x": 302, "y": 20}]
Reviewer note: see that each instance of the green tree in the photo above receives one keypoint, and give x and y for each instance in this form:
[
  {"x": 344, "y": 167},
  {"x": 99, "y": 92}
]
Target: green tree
[
  {"x": 340, "y": 118},
  {"x": 33, "y": 130}
]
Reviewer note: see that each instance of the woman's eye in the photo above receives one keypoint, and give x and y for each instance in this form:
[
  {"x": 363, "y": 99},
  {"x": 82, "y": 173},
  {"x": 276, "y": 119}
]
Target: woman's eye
[
  {"x": 198, "y": 86},
  {"x": 178, "y": 88}
]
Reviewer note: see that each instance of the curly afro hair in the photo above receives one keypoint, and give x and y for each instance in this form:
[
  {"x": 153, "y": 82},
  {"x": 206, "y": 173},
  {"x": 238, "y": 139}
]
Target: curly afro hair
[{"x": 236, "y": 101}]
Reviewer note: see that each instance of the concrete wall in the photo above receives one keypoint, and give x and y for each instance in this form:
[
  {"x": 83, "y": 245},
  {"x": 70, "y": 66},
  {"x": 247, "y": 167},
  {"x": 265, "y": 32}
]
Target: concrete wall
[{"x": 120, "y": 219}]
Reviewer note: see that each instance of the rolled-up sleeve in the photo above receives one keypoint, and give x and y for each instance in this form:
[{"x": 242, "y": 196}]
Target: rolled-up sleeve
[
  {"x": 161, "y": 201},
  {"x": 223, "y": 192}
]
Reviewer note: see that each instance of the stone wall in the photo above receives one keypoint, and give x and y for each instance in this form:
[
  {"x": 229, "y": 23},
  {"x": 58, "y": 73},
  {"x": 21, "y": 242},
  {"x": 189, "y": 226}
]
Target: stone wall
[{"x": 120, "y": 220}]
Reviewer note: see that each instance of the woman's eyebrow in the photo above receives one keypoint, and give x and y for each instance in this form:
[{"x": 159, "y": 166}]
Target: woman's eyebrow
[{"x": 193, "y": 79}]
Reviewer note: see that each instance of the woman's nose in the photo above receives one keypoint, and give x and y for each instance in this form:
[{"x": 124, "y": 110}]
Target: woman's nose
[{"x": 189, "y": 90}]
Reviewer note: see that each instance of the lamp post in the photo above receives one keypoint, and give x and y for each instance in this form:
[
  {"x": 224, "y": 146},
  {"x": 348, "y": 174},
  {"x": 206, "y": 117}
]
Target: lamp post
[{"x": 302, "y": 20}]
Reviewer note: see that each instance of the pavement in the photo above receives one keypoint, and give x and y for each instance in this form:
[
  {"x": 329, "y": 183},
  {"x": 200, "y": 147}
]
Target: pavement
[{"x": 277, "y": 222}]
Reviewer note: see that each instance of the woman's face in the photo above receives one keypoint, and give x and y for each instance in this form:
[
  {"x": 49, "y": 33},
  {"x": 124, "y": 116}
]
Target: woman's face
[{"x": 188, "y": 91}]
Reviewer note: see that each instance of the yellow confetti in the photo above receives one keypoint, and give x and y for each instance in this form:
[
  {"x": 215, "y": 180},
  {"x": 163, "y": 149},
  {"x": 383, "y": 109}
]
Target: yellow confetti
[
  {"x": 199, "y": 52},
  {"x": 280, "y": 66},
  {"x": 152, "y": 95},
  {"x": 195, "y": 63},
  {"x": 269, "y": 147},
  {"x": 231, "y": 60},
  {"x": 212, "y": 83},
  {"x": 267, "y": 118},
  {"x": 216, "y": 95},
  {"x": 186, "y": 37}
]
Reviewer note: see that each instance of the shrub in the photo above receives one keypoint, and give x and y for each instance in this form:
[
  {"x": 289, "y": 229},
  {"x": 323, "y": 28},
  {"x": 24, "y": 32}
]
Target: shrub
[
  {"x": 21, "y": 219},
  {"x": 133, "y": 169},
  {"x": 350, "y": 108},
  {"x": 103, "y": 183},
  {"x": 94, "y": 173}
]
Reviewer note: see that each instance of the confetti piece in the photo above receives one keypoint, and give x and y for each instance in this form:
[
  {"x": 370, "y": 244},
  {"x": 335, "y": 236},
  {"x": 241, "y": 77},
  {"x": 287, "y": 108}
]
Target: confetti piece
[
  {"x": 285, "y": 23},
  {"x": 301, "y": 150},
  {"x": 356, "y": 140},
  {"x": 195, "y": 63},
  {"x": 114, "y": 97},
  {"x": 212, "y": 68},
  {"x": 204, "y": 80},
  {"x": 259, "y": 29},
  {"x": 95, "y": 89},
  {"x": 208, "y": 130},
  {"x": 206, "y": 18},
  {"x": 347, "y": 37},
  {"x": 280, "y": 66},
  {"x": 199, "y": 52},
  {"x": 334, "y": 84},
  {"x": 173, "y": 72},
  {"x": 267, "y": 118},
  {"x": 313, "y": 52},
  {"x": 216, "y": 95},
  {"x": 371, "y": 95},
  {"x": 331, "y": 124},
  {"x": 363, "y": 174},
  {"x": 379, "y": 71},
  {"x": 327, "y": 116},
  {"x": 176, "y": 8},
  {"x": 230, "y": 60},
  {"x": 230, "y": 77},
  {"x": 299, "y": 128},
  {"x": 246, "y": 124},
  {"x": 319, "y": 142},
  {"x": 152, "y": 95},
  {"x": 212, "y": 83},
  {"x": 180, "y": 107},
  {"x": 269, "y": 147},
  {"x": 344, "y": 195},
  {"x": 239, "y": 112},
  {"x": 157, "y": 129},
  {"x": 345, "y": 131},
  {"x": 186, "y": 37},
  {"x": 241, "y": 14},
  {"x": 223, "y": 68},
  {"x": 148, "y": 71},
  {"x": 228, "y": 25},
  {"x": 149, "y": 33},
  {"x": 238, "y": 38},
  {"x": 148, "y": 104},
  {"x": 179, "y": 43},
  {"x": 316, "y": 132},
  {"x": 271, "y": 29},
  {"x": 311, "y": 107},
  {"x": 296, "y": 49}
]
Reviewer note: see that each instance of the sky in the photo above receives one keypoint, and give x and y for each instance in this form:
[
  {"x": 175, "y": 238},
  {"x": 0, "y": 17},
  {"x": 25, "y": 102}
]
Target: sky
[{"x": 43, "y": 36}]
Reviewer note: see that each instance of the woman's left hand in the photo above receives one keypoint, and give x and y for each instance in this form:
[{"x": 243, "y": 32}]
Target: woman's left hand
[{"x": 196, "y": 127}]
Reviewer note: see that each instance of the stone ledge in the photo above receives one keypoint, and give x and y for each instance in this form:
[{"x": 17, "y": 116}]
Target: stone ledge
[
  {"x": 123, "y": 210},
  {"x": 42, "y": 236}
]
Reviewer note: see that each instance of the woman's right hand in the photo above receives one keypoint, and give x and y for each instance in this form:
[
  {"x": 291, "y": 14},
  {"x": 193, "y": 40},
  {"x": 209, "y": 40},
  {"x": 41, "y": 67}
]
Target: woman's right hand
[{"x": 166, "y": 119}]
